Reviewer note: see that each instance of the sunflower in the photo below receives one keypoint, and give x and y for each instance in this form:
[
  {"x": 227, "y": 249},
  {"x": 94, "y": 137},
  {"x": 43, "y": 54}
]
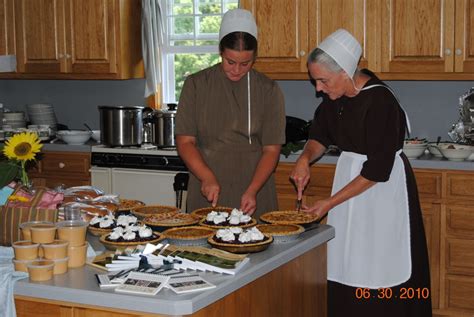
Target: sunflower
[{"x": 22, "y": 147}]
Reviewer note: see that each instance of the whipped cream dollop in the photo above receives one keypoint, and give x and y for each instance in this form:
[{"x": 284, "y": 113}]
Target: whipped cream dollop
[
  {"x": 145, "y": 232},
  {"x": 225, "y": 235},
  {"x": 106, "y": 222},
  {"x": 95, "y": 220},
  {"x": 236, "y": 217},
  {"x": 125, "y": 220},
  {"x": 244, "y": 236},
  {"x": 115, "y": 235},
  {"x": 236, "y": 230},
  {"x": 129, "y": 235}
]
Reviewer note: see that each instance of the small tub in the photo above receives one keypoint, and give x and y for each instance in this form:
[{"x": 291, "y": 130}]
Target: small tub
[
  {"x": 25, "y": 228},
  {"x": 43, "y": 233},
  {"x": 25, "y": 250},
  {"x": 60, "y": 265},
  {"x": 55, "y": 250},
  {"x": 41, "y": 270},
  {"x": 22, "y": 265},
  {"x": 77, "y": 255},
  {"x": 73, "y": 231}
]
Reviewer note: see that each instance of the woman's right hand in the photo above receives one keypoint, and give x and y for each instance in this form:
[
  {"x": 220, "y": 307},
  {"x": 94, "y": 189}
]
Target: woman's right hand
[
  {"x": 210, "y": 189},
  {"x": 300, "y": 176}
]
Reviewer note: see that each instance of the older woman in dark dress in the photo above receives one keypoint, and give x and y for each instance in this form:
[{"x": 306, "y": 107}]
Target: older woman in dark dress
[{"x": 379, "y": 252}]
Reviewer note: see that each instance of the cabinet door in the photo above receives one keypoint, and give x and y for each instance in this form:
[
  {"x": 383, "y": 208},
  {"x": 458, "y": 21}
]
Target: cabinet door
[
  {"x": 417, "y": 36},
  {"x": 91, "y": 36},
  {"x": 7, "y": 29},
  {"x": 282, "y": 34},
  {"x": 355, "y": 16},
  {"x": 464, "y": 48},
  {"x": 40, "y": 36}
]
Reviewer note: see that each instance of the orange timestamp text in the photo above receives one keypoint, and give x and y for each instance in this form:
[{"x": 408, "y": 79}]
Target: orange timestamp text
[{"x": 387, "y": 293}]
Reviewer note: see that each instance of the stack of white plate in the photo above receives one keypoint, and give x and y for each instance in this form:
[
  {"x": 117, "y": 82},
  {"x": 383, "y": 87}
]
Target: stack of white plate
[
  {"x": 42, "y": 114},
  {"x": 14, "y": 119}
]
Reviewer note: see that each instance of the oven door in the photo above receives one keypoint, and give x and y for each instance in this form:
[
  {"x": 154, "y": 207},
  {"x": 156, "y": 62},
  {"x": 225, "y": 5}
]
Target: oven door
[{"x": 153, "y": 187}]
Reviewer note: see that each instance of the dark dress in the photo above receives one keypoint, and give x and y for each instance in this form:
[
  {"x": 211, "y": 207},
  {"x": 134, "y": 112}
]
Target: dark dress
[{"x": 373, "y": 124}]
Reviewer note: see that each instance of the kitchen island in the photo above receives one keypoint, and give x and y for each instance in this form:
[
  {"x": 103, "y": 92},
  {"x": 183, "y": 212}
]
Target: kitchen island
[{"x": 287, "y": 279}]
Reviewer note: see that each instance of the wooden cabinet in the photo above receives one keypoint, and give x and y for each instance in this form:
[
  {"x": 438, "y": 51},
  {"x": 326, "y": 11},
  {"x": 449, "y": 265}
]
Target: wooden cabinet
[
  {"x": 80, "y": 39},
  {"x": 447, "y": 206},
  {"x": 289, "y": 30},
  {"x": 7, "y": 35},
  {"x": 61, "y": 168},
  {"x": 427, "y": 37}
]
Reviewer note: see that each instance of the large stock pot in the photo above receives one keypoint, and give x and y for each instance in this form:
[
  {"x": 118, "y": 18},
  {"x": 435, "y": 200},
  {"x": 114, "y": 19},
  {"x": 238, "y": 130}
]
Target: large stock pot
[{"x": 121, "y": 125}]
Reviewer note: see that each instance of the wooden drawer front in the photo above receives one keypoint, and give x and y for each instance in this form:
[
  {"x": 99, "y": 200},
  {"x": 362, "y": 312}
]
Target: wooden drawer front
[
  {"x": 460, "y": 256},
  {"x": 460, "y": 292},
  {"x": 429, "y": 184},
  {"x": 460, "y": 219},
  {"x": 460, "y": 185},
  {"x": 66, "y": 164},
  {"x": 39, "y": 309},
  {"x": 322, "y": 177}
]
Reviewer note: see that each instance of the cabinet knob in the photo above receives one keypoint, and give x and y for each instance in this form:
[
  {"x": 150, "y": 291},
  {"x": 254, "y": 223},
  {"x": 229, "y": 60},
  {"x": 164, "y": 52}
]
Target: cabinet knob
[
  {"x": 61, "y": 165},
  {"x": 302, "y": 53},
  {"x": 447, "y": 52},
  {"x": 68, "y": 56},
  {"x": 458, "y": 52},
  {"x": 61, "y": 55}
]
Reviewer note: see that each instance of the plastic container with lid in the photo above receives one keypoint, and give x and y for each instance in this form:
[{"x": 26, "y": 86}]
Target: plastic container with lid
[
  {"x": 73, "y": 231},
  {"x": 25, "y": 228},
  {"x": 25, "y": 250},
  {"x": 43, "y": 233},
  {"x": 22, "y": 265},
  {"x": 60, "y": 266},
  {"x": 55, "y": 250},
  {"x": 41, "y": 270}
]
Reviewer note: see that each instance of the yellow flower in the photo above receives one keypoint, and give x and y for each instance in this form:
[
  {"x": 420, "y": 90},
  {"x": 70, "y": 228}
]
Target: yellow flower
[
  {"x": 22, "y": 147},
  {"x": 18, "y": 198}
]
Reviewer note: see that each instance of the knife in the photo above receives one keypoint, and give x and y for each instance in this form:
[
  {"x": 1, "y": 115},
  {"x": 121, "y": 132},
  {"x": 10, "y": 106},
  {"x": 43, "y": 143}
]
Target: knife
[{"x": 298, "y": 204}]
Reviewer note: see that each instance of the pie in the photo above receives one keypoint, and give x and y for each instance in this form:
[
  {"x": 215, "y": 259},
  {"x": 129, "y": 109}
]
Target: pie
[
  {"x": 241, "y": 247},
  {"x": 251, "y": 223},
  {"x": 202, "y": 212},
  {"x": 288, "y": 217},
  {"x": 127, "y": 204},
  {"x": 153, "y": 210},
  {"x": 167, "y": 219},
  {"x": 281, "y": 232},
  {"x": 112, "y": 245},
  {"x": 189, "y": 233}
]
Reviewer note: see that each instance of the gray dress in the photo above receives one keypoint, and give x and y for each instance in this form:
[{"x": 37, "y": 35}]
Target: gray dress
[{"x": 214, "y": 109}]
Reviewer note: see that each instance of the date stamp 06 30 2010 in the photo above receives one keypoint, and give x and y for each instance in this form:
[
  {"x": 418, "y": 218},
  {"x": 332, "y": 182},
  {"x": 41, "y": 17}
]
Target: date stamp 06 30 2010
[{"x": 404, "y": 293}]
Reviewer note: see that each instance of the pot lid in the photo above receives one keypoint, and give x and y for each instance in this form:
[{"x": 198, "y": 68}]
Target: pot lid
[{"x": 123, "y": 107}]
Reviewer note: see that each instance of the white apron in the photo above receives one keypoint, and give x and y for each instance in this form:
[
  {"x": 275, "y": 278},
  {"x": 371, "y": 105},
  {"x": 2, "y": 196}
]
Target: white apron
[{"x": 372, "y": 244}]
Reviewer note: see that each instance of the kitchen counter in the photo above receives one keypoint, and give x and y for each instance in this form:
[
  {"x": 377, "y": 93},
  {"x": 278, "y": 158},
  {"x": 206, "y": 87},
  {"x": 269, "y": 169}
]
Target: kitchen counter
[
  {"x": 425, "y": 161},
  {"x": 79, "y": 287}
]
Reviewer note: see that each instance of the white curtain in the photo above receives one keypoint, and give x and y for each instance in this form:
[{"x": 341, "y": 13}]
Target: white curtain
[{"x": 152, "y": 43}]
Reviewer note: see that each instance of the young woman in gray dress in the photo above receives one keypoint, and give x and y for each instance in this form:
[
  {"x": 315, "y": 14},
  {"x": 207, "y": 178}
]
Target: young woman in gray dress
[
  {"x": 378, "y": 261},
  {"x": 230, "y": 125}
]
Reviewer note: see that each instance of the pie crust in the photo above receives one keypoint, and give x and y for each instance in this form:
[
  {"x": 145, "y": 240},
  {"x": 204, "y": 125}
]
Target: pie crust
[
  {"x": 98, "y": 231},
  {"x": 241, "y": 247},
  {"x": 277, "y": 229},
  {"x": 202, "y": 212},
  {"x": 189, "y": 233},
  {"x": 171, "y": 220},
  {"x": 153, "y": 210},
  {"x": 288, "y": 217},
  {"x": 111, "y": 245},
  {"x": 128, "y": 204},
  {"x": 203, "y": 222}
]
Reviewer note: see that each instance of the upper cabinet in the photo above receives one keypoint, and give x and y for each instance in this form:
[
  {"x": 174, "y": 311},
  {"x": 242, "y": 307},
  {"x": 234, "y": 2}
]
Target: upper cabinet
[
  {"x": 427, "y": 39},
  {"x": 7, "y": 34},
  {"x": 78, "y": 39},
  {"x": 401, "y": 39}
]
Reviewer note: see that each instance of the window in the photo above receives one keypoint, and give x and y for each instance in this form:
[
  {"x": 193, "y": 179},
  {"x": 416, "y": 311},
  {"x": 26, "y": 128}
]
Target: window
[{"x": 191, "y": 40}]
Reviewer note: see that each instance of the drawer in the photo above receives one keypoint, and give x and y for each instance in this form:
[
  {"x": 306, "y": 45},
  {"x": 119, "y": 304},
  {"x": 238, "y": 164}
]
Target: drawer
[
  {"x": 428, "y": 184},
  {"x": 460, "y": 185},
  {"x": 460, "y": 219},
  {"x": 65, "y": 163},
  {"x": 460, "y": 256},
  {"x": 459, "y": 292}
]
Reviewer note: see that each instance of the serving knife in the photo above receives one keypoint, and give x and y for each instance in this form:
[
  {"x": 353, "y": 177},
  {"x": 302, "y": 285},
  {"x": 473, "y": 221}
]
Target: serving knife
[{"x": 298, "y": 204}]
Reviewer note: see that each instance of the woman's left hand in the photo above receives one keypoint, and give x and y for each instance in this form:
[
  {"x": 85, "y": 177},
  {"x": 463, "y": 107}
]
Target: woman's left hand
[
  {"x": 320, "y": 208},
  {"x": 248, "y": 203}
]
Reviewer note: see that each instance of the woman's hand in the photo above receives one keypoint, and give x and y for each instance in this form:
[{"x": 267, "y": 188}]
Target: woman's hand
[
  {"x": 300, "y": 176},
  {"x": 210, "y": 189},
  {"x": 320, "y": 208},
  {"x": 248, "y": 202}
]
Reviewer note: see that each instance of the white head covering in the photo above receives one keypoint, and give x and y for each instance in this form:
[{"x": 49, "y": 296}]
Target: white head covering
[
  {"x": 344, "y": 49},
  {"x": 238, "y": 20}
]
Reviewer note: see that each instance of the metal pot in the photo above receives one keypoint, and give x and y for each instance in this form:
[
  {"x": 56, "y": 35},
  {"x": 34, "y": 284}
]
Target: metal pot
[
  {"x": 121, "y": 125},
  {"x": 164, "y": 126}
]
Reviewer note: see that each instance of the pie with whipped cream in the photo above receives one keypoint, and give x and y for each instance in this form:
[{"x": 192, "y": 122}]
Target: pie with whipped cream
[
  {"x": 288, "y": 217},
  {"x": 203, "y": 212},
  {"x": 239, "y": 240},
  {"x": 104, "y": 224},
  {"x": 222, "y": 219},
  {"x": 129, "y": 236}
]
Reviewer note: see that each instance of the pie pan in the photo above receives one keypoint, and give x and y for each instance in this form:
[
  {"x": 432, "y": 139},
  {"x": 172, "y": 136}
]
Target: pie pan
[
  {"x": 111, "y": 245},
  {"x": 241, "y": 247},
  {"x": 281, "y": 232},
  {"x": 129, "y": 204},
  {"x": 190, "y": 235},
  {"x": 288, "y": 217},
  {"x": 150, "y": 210},
  {"x": 252, "y": 223},
  {"x": 169, "y": 220},
  {"x": 202, "y": 212},
  {"x": 98, "y": 231}
]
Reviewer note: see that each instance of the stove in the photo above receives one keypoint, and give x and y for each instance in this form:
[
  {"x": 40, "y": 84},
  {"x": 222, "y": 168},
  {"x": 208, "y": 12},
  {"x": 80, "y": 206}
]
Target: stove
[{"x": 143, "y": 157}]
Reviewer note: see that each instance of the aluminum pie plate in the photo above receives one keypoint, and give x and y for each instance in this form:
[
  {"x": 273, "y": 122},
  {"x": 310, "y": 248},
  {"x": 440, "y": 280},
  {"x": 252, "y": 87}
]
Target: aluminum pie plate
[
  {"x": 171, "y": 237},
  {"x": 282, "y": 237}
]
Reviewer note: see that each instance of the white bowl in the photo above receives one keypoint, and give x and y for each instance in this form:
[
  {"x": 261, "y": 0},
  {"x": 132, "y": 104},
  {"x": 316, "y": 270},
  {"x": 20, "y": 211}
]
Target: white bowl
[
  {"x": 433, "y": 148},
  {"x": 415, "y": 143},
  {"x": 96, "y": 135},
  {"x": 456, "y": 152},
  {"x": 414, "y": 152},
  {"x": 74, "y": 137}
]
